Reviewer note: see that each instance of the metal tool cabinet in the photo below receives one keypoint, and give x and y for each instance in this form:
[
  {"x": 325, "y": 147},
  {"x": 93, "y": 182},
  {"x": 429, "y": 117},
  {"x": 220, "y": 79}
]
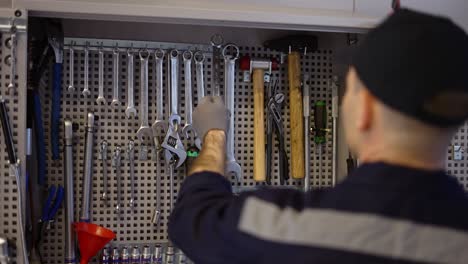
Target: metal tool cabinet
[{"x": 135, "y": 227}]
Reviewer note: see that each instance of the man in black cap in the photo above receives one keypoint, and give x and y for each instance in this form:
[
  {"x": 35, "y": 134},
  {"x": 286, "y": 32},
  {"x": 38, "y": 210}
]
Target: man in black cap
[{"x": 406, "y": 93}]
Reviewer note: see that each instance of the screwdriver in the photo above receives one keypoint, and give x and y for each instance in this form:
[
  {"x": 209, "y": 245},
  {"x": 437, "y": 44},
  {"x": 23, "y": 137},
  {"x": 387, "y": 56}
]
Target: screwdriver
[{"x": 320, "y": 118}]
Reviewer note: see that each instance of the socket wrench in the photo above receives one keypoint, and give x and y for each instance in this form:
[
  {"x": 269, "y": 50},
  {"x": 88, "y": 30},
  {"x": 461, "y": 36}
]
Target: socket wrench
[{"x": 85, "y": 215}]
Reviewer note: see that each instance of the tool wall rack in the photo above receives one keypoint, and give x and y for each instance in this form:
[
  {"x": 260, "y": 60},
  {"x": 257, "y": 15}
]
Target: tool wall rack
[{"x": 113, "y": 126}]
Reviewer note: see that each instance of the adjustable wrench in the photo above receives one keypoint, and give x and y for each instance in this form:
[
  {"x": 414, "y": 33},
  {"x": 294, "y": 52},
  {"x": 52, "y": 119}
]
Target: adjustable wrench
[
  {"x": 144, "y": 133},
  {"x": 103, "y": 152},
  {"x": 199, "y": 58},
  {"x": 187, "y": 55},
  {"x": 174, "y": 149},
  {"x": 130, "y": 111},
  {"x": 159, "y": 128},
  {"x": 71, "y": 72},
  {"x": 86, "y": 91},
  {"x": 232, "y": 167},
  {"x": 217, "y": 42},
  {"x": 131, "y": 160},
  {"x": 116, "y": 162},
  {"x": 115, "y": 82},
  {"x": 101, "y": 99}
]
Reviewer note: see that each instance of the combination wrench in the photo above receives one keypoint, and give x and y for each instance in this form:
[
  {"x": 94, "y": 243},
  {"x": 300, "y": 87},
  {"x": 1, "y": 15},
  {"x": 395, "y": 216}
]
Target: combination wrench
[
  {"x": 101, "y": 100},
  {"x": 217, "y": 42},
  {"x": 232, "y": 167},
  {"x": 144, "y": 133},
  {"x": 103, "y": 153},
  {"x": 174, "y": 149},
  {"x": 188, "y": 129},
  {"x": 130, "y": 111},
  {"x": 131, "y": 160},
  {"x": 116, "y": 163},
  {"x": 199, "y": 58},
  {"x": 159, "y": 128},
  {"x": 71, "y": 72},
  {"x": 86, "y": 92},
  {"x": 115, "y": 82}
]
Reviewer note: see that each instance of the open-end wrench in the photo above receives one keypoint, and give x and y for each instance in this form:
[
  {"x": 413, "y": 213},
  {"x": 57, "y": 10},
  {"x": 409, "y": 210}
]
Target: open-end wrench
[
  {"x": 71, "y": 72},
  {"x": 130, "y": 111},
  {"x": 103, "y": 153},
  {"x": 187, "y": 55},
  {"x": 116, "y": 162},
  {"x": 217, "y": 42},
  {"x": 174, "y": 149},
  {"x": 232, "y": 167},
  {"x": 131, "y": 160},
  {"x": 199, "y": 58},
  {"x": 144, "y": 133},
  {"x": 86, "y": 91},
  {"x": 115, "y": 82},
  {"x": 101, "y": 100},
  {"x": 159, "y": 128}
]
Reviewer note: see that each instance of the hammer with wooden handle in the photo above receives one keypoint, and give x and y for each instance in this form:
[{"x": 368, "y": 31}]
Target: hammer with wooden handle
[
  {"x": 257, "y": 68},
  {"x": 294, "y": 46}
]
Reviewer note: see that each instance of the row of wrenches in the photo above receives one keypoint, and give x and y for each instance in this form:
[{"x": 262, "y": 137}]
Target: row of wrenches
[{"x": 164, "y": 134}]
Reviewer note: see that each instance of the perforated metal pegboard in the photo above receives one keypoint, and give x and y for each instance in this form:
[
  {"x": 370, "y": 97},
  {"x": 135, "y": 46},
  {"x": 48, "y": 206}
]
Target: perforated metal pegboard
[
  {"x": 459, "y": 168},
  {"x": 113, "y": 126},
  {"x": 16, "y": 107}
]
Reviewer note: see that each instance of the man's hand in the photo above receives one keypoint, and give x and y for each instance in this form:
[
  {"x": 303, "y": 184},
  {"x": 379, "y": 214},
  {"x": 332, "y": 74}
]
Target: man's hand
[
  {"x": 210, "y": 114},
  {"x": 210, "y": 120}
]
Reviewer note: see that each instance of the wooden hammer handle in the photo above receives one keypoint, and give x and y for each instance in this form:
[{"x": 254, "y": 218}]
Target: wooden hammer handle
[
  {"x": 259, "y": 125},
  {"x": 296, "y": 116}
]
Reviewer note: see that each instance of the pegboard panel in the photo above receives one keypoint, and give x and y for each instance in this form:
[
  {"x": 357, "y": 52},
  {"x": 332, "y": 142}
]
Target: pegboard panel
[
  {"x": 15, "y": 100},
  {"x": 459, "y": 168},
  {"x": 113, "y": 126}
]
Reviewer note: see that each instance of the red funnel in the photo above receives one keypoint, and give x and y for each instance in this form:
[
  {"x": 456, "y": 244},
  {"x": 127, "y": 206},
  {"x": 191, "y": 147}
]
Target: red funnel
[{"x": 91, "y": 239}]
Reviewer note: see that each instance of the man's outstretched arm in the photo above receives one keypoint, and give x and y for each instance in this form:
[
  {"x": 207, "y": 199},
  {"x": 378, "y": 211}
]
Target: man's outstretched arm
[{"x": 209, "y": 223}]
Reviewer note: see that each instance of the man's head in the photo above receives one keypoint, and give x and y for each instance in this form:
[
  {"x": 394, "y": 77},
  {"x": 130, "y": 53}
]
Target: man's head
[{"x": 407, "y": 90}]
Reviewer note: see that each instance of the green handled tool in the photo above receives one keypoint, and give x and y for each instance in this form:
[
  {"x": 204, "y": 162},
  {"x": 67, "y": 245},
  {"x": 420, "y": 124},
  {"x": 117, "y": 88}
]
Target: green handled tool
[{"x": 320, "y": 138}]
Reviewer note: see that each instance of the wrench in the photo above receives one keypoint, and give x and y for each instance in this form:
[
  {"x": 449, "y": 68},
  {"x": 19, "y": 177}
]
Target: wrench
[
  {"x": 12, "y": 58},
  {"x": 115, "y": 68},
  {"x": 131, "y": 159},
  {"x": 217, "y": 42},
  {"x": 86, "y": 91},
  {"x": 101, "y": 99},
  {"x": 130, "y": 111},
  {"x": 103, "y": 152},
  {"x": 116, "y": 161},
  {"x": 199, "y": 58},
  {"x": 232, "y": 167},
  {"x": 144, "y": 132},
  {"x": 187, "y": 129},
  {"x": 71, "y": 87},
  {"x": 174, "y": 149}
]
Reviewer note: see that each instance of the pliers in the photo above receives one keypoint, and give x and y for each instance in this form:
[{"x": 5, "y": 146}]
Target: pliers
[
  {"x": 49, "y": 210},
  {"x": 275, "y": 123}
]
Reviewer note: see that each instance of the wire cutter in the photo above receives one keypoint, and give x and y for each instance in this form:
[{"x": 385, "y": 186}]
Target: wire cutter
[{"x": 275, "y": 123}]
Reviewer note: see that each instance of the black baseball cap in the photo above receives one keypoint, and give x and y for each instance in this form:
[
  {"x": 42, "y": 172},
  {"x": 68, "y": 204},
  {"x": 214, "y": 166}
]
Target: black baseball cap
[{"x": 417, "y": 64}]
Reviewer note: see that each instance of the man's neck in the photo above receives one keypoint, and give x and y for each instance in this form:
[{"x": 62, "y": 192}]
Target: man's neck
[{"x": 429, "y": 159}]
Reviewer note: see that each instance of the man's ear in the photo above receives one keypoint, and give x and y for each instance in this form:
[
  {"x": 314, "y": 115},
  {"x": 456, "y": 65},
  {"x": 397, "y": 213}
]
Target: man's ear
[{"x": 366, "y": 110}]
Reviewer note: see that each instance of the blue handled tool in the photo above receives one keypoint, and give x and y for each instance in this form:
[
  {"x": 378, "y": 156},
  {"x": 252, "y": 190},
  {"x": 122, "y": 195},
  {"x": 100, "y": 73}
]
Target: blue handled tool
[
  {"x": 54, "y": 201},
  {"x": 55, "y": 38}
]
